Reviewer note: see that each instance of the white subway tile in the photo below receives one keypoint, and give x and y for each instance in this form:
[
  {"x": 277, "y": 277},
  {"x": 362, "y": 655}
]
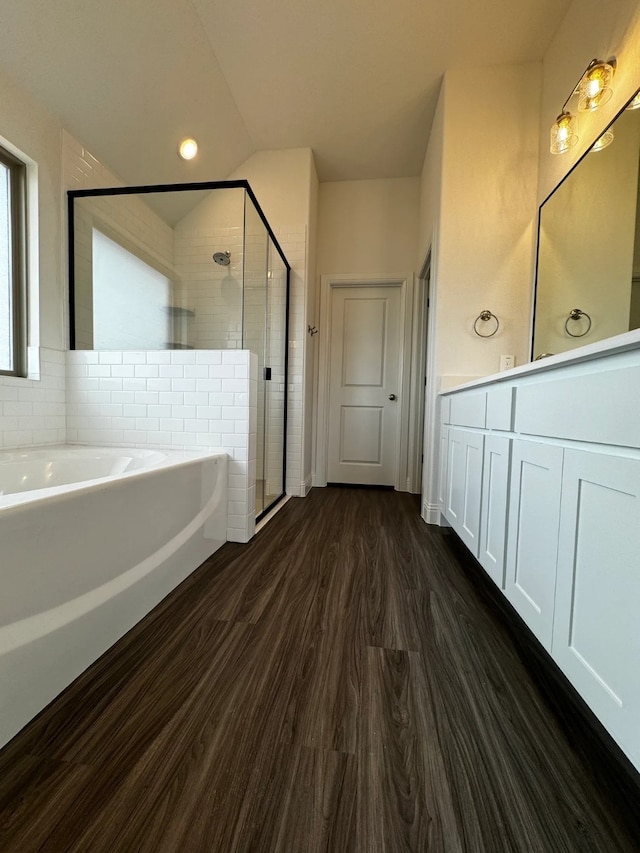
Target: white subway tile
[
  {"x": 174, "y": 425},
  {"x": 134, "y": 385},
  {"x": 158, "y": 384},
  {"x": 134, "y": 358},
  {"x": 147, "y": 398},
  {"x": 196, "y": 425},
  {"x": 209, "y": 412},
  {"x": 183, "y": 384},
  {"x": 184, "y": 412},
  {"x": 123, "y": 396},
  {"x": 149, "y": 424},
  {"x": 171, "y": 371},
  {"x": 183, "y": 357},
  {"x": 146, "y": 371},
  {"x": 171, "y": 398},
  {"x": 196, "y": 371},
  {"x": 159, "y": 357},
  {"x": 135, "y": 411},
  {"x": 122, "y": 370},
  {"x": 110, "y": 384}
]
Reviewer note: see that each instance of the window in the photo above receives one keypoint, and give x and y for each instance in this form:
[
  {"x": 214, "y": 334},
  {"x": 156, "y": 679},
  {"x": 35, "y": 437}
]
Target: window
[
  {"x": 130, "y": 300},
  {"x": 12, "y": 264}
]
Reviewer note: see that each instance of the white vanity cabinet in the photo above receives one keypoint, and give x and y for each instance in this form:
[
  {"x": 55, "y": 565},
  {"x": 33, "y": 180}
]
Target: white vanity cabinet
[
  {"x": 596, "y": 631},
  {"x": 532, "y": 549},
  {"x": 541, "y": 480},
  {"x": 495, "y": 497},
  {"x": 474, "y": 473},
  {"x": 464, "y": 485}
]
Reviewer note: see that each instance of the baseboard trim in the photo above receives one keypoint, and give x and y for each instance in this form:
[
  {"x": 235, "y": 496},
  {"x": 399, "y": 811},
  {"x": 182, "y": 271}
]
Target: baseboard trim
[{"x": 431, "y": 512}]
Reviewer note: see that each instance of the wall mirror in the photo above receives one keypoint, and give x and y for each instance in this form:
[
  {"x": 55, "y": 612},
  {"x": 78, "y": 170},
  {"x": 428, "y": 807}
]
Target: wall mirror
[{"x": 588, "y": 266}]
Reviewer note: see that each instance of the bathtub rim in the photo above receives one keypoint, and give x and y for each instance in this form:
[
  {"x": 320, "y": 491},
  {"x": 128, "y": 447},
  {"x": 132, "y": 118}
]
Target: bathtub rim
[{"x": 174, "y": 458}]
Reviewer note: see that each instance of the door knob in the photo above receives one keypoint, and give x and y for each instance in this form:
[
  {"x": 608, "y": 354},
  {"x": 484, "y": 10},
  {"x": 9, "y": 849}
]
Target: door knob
[{"x": 392, "y": 396}]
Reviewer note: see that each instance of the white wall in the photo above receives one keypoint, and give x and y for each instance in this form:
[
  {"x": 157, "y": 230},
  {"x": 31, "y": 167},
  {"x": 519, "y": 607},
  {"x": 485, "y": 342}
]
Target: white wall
[
  {"x": 486, "y": 232},
  {"x": 27, "y": 125},
  {"x": 478, "y": 213},
  {"x": 368, "y": 226},
  {"x": 311, "y": 349},
  {"x": 431, "y": 186},
  {"x": 32, "y": 410},
  {"x": 281, "y": 181}
]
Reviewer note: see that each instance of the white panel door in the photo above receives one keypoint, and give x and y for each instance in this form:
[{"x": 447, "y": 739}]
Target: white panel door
[
  {"x": 364, "y": 389},
  {"x": 596, "y": 636},
  {"x": 532, "y": 547},
  {"x": 493, "y": 517},
  {"x": 464, "y": 485}
]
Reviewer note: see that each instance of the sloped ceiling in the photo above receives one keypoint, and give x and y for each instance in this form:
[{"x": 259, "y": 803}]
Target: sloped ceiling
[{"x": 355, "y": 80}]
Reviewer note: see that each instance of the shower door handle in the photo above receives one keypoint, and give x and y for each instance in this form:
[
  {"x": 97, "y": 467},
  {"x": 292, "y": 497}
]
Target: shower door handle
[{"x": 267, "y": 374}]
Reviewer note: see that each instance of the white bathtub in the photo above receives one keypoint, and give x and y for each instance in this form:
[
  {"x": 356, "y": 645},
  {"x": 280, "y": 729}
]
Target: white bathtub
[{"x": 91, "y": 539}]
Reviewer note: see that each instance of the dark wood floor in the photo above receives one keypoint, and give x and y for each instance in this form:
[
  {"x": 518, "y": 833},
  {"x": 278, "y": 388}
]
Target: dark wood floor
[{"x": 337, "y": 685}]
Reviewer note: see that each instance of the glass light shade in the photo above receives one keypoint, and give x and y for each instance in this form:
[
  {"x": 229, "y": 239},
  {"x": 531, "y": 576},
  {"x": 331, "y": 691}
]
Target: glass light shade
[
  {"x": 605, "y": 140},
  {"x": 188, "y": 149},
  {"x": 594, "y": 89},
  {"x": 634, "y": 104},
  {"x": 563, "y": 133}
]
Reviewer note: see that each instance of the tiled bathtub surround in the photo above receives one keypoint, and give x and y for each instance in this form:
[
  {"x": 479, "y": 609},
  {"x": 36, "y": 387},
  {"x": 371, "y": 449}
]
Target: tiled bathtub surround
[
  {"x": 179, "y": 399},
  {"x": 32, "y": 411}
]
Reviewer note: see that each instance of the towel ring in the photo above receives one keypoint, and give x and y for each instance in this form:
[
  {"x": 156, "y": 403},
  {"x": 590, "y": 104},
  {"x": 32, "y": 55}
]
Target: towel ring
[
  {"x": 577, "y": 314},
  {"x": 485, "y": 316}
]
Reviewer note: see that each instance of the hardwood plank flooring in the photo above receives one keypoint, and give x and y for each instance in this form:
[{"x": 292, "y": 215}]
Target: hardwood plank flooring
[{"x": 340, "y": 684}]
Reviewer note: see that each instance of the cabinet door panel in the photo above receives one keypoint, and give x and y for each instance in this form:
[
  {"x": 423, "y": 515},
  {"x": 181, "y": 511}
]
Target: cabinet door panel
[
  {"x": 596, "y": 640},
  {"x": 532, "y": 549},
  {"x": 495, "y": 491},
  {"x": 464, "y": 485}
]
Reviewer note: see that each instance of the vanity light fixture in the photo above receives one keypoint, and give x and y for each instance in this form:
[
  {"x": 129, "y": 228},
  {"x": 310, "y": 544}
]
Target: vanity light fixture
[
  {"x": 603, "y": 142},
  {"x": 634, "y": 103},
  {"x": 563, "y": 133},
  {"x": 593, "y": 90},
  {"x": 188, "y": 149}
]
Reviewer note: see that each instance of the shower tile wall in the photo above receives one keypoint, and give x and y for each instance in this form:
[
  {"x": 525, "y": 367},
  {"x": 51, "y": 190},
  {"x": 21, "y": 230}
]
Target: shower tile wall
[
  {"x": 211, "y": 291},
  {"x": 81, "y": 170},
  {"x": 179, "y": 399},
  {"x": 32, "y": 411}
]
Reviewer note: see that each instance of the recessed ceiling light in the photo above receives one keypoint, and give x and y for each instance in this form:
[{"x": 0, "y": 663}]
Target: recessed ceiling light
[{"x": 188, "y": 149}]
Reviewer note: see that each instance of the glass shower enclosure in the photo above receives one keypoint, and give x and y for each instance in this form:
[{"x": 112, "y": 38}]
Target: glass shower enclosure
[{"x": 188, "y": 266}]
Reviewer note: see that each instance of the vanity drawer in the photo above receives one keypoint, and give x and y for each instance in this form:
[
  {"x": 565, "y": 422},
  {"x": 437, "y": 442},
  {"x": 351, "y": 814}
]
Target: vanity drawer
[
  {"x": 601, "y": 407},
  {"x": 500, "y": 407},
  {"x": 469, "y": 409}
]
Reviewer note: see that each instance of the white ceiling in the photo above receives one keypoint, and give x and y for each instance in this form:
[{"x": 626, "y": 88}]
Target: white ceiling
[{"x": 356, "y": 80}]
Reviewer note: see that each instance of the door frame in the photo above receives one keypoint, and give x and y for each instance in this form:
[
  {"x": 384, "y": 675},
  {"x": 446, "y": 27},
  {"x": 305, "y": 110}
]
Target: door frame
[{"x": 327, "y": 285}]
